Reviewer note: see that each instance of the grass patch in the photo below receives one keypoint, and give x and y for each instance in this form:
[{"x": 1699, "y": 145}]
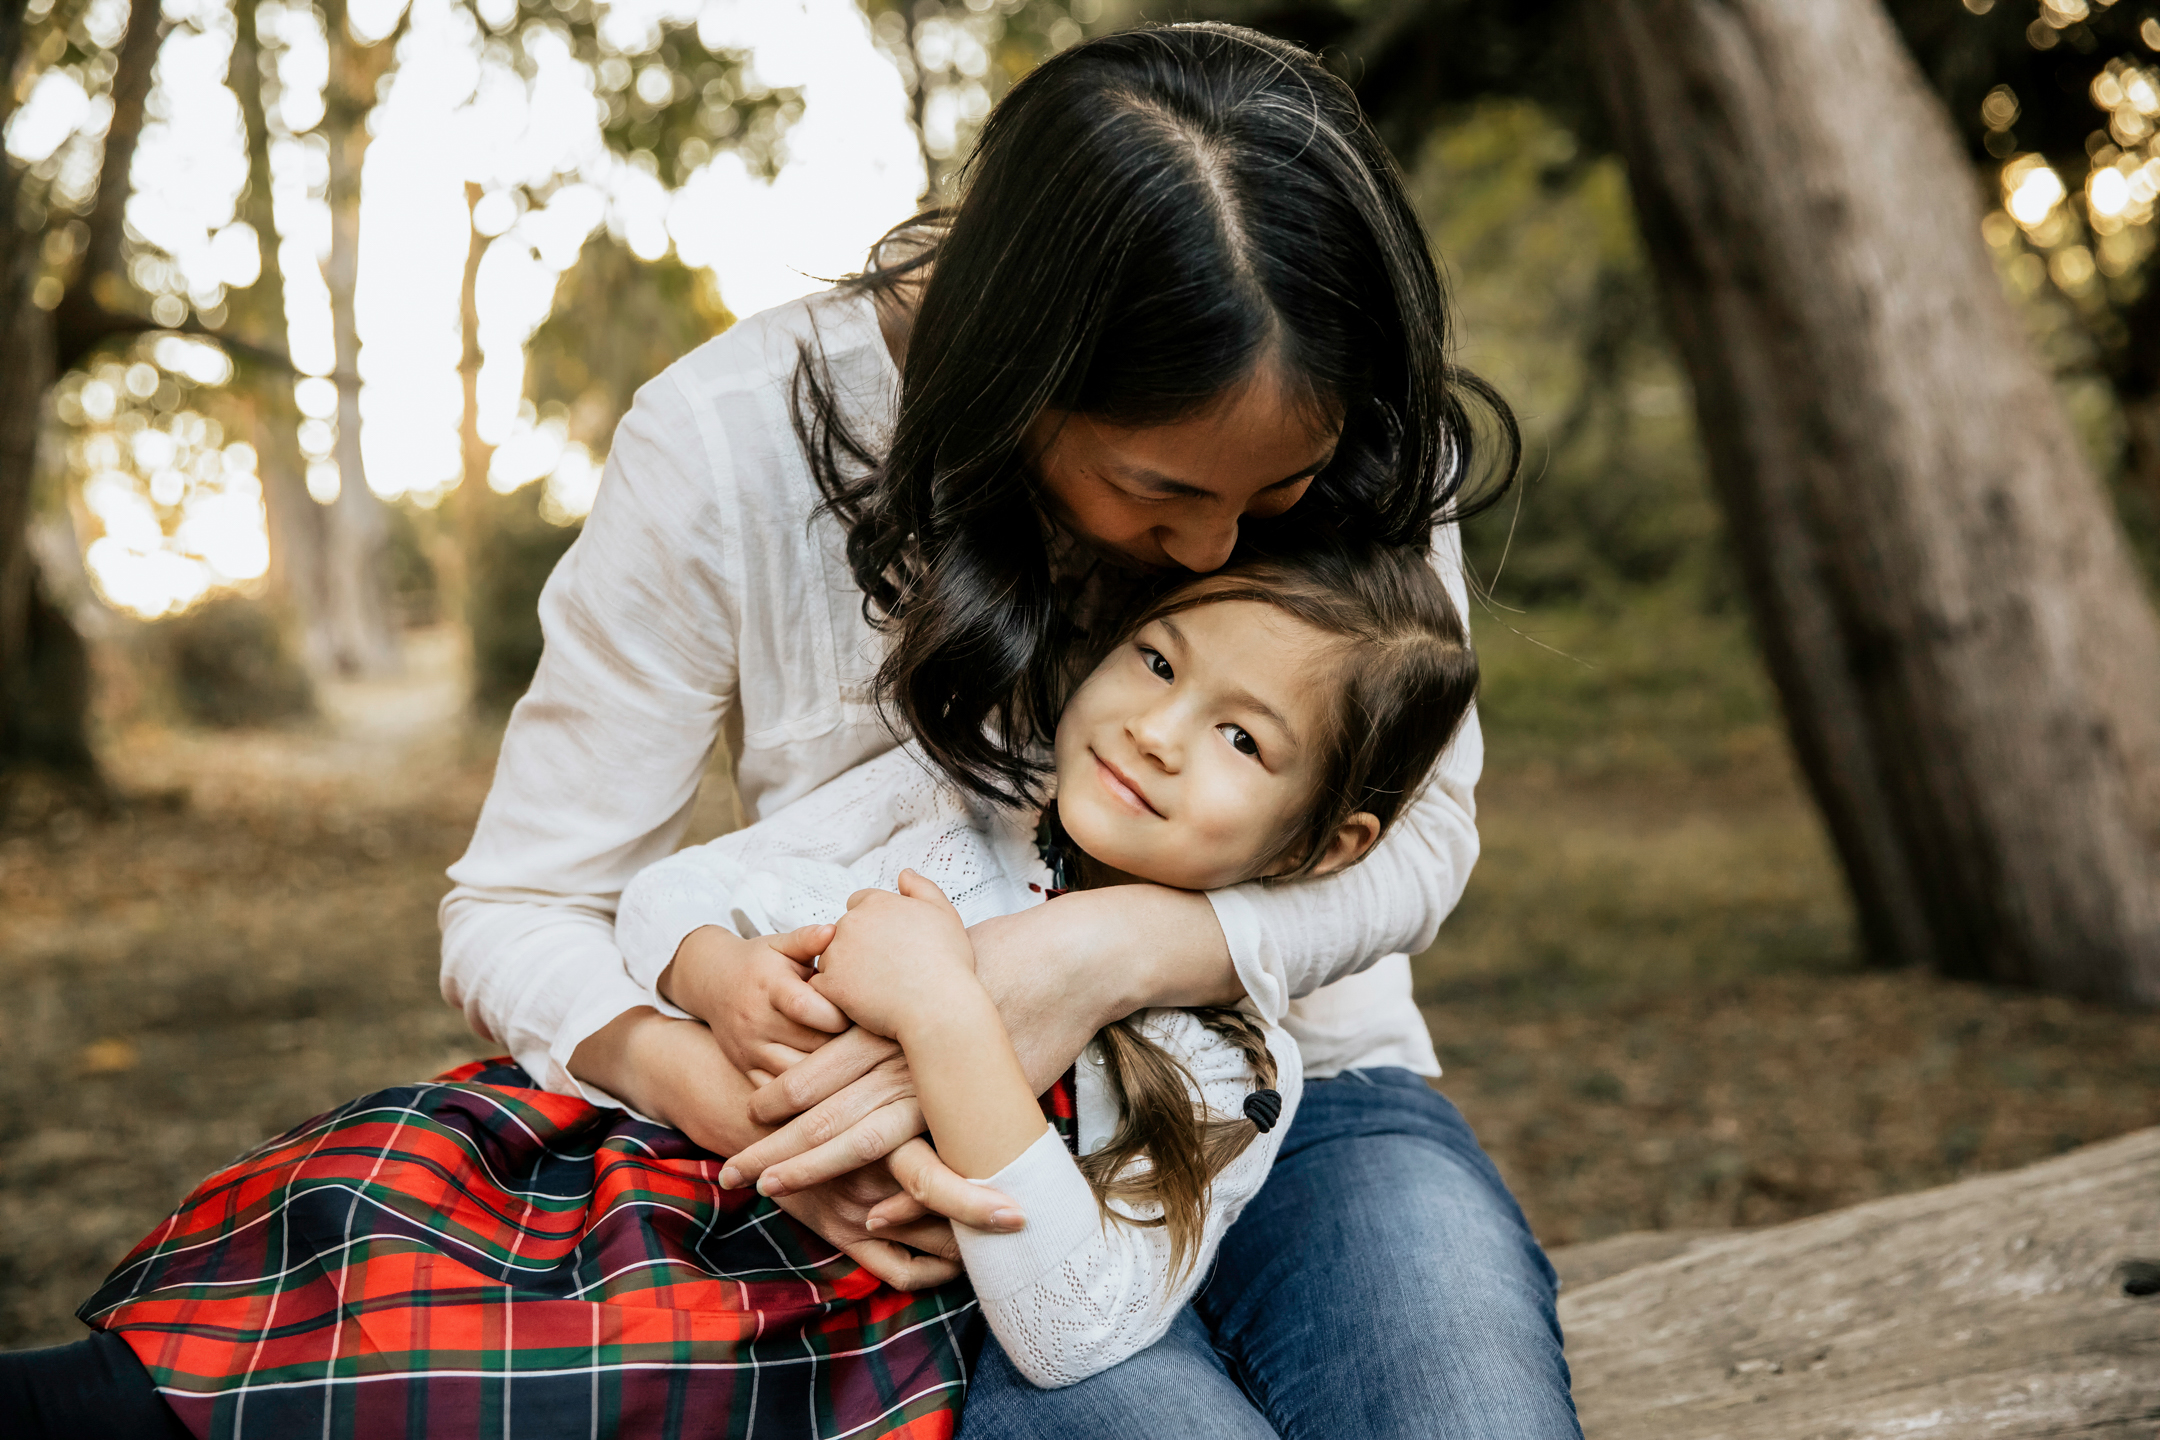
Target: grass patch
[{"x": 1649, "y": 1003}]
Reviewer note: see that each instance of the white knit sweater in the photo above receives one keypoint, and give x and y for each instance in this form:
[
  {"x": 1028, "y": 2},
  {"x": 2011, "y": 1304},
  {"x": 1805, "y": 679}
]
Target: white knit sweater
[
  {"x": 1073, "y": 1293},
  {"x": 708, "y": 597}
]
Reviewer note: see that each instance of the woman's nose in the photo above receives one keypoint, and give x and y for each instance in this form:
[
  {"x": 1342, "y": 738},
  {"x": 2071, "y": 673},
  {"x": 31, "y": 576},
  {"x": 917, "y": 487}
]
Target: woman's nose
[{"x": 1203, "y": 547}]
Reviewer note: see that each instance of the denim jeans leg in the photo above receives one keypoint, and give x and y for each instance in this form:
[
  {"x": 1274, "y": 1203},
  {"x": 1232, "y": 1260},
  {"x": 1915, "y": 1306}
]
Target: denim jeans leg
[
  {"x": 1176, "y": 1387},
  {"x": 1384, "y": 1284}
]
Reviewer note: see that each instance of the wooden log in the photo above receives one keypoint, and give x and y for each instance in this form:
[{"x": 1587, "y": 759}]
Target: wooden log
[{"x": 1999, "y": 1308}]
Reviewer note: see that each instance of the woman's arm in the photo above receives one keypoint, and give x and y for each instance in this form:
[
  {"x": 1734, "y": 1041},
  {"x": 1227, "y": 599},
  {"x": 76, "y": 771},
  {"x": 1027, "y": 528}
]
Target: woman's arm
[
  {"x": 602, "y": 757},
  {"x": 1058, "y": 973}
]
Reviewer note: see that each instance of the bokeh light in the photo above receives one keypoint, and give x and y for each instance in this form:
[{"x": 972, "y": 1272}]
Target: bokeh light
[{"x": 166, "y": 526}]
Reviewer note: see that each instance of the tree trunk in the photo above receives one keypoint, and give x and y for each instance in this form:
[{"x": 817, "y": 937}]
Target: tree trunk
[
  {"x": 44, "y": 666},
  {"x": 357, "y": 630},
  {"x": 299, "y": 528},
  {"x": 1968, "y": 662},
  {"x": 468, "y": 502}
]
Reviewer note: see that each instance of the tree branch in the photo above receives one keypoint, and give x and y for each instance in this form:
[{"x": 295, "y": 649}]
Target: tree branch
[{"x": 76, "y": 320}]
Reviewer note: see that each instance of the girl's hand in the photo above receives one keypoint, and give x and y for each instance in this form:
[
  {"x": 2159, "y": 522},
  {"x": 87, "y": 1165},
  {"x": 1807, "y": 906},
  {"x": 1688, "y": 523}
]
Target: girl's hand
[
  {"x": 1059, "y": 972},
  {"x": 673, "y": 1071},
  {"x": 932, "y": 1188},
  {"x": 895, "y": 958},
  {"x": 755, "y": 994}
]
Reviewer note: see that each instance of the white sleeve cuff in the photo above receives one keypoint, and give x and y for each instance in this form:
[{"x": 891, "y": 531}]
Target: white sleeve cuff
[
  {"x": 1266, "y": 985},
  {"x": 1062, "y": 1215},
  {"x": 604, "y": 998},
  {"x": 653, "y": 921}
]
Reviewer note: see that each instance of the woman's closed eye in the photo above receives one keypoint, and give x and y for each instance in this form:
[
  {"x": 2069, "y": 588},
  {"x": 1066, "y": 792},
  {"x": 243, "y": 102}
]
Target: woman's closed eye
[{"x": 1241, "y": 739}]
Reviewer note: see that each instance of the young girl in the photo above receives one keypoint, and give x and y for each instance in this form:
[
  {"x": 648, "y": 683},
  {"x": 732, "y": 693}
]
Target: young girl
[
  {"x": 445, "y": 1259},
  {"x": 1268, "y": 720}
]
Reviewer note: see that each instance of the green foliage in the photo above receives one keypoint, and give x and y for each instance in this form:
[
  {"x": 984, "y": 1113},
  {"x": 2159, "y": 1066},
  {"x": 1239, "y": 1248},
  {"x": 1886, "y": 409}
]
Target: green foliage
[
  {"x": 1649, "y": 685},
  {"x": 672, "y": 106},
  {"x": 231, "y": 664},
  {"x": 957, "y": 58},
  {"x": 617, "y": 322},
  {"x": 1555, "y": 304}
]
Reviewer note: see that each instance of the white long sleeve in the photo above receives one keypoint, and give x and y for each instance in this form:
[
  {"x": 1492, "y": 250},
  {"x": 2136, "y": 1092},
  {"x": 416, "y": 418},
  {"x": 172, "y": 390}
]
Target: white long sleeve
[
  {"x": 708, "y": 594},
  {"x": 1075, "y": 1292},
  {"x": 798, "y": 865}
]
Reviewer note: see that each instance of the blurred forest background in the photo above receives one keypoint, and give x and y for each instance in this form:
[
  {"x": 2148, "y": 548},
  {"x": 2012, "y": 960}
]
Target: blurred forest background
[{"x": 266, "y": 596}]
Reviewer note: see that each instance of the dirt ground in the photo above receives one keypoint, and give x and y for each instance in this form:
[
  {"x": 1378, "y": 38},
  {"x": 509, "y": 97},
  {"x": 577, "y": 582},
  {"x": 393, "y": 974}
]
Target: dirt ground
[{"x": 1647, "y": 1004}]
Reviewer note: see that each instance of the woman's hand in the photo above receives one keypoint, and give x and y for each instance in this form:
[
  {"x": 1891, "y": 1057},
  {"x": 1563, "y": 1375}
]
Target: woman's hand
[
  {"x": 897, "y": 956},
  {"x": 1058, "y": 972},
  {"x": 755, "y": 994},
  {"x": 675, "y": 1072}
]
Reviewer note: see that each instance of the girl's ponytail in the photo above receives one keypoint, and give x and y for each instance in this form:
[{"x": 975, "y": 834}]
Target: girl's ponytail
[{"x": 1185, "y": 1147}]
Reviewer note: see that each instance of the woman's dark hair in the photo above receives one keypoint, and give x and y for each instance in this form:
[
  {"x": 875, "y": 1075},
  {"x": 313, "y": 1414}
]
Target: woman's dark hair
[{"x": 1145, "y": 218}]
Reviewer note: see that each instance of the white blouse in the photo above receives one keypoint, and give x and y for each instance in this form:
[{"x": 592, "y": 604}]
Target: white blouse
[
  {"x": 709, "y": 597},
  {"x": 1073, "y": 1293}
]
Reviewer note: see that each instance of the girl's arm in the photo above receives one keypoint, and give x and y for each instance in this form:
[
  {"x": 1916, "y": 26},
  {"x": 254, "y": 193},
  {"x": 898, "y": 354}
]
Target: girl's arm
[
  {"x": 1062, "y": 971},
  {"x": 1075, "y": 1292},
  {"x": 901, "y": 965}
]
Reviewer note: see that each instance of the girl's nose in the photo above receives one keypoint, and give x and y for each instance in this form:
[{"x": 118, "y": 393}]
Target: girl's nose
[{"x": 1154, "y": 733}]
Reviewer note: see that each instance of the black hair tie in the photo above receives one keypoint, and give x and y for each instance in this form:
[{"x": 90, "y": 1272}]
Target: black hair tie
[{"x": 1263, "y": 1108}]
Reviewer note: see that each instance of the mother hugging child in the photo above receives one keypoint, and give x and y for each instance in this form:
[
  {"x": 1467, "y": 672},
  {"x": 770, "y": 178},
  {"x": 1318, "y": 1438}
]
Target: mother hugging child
[{"x": 1129, "y": 480}]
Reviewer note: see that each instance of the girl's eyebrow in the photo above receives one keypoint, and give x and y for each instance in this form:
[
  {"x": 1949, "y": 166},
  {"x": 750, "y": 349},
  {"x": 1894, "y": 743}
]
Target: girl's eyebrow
[{"x": 1237, "y": 694}]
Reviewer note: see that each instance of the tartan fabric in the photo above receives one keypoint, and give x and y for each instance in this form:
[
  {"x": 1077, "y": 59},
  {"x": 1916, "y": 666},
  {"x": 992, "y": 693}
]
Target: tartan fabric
[{"x": 476, "y": 1256}]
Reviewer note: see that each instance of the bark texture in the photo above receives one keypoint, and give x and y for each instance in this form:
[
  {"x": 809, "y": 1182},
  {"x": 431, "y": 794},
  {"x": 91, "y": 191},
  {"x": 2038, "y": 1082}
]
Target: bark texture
[
  {"x": 44, "y": 665},
  {"x": 1968, "y": 660},
  {"x": 354, "y": 629},
  {"x": 2009, "y": 1307}
]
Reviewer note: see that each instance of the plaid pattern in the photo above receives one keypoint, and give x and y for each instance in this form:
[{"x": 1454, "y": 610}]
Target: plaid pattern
[{"x": 474, "y": 1256}]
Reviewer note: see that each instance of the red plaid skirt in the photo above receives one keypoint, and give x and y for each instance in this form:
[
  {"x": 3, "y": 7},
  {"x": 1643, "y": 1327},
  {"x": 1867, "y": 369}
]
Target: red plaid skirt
[{"x": 475, "y": 1256}]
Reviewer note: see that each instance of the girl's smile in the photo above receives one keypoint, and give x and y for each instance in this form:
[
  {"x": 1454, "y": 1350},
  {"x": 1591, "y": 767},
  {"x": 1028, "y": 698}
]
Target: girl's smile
[
  {"x": 1114, "y": 780},
  {"x": 1192, "y": 750}
]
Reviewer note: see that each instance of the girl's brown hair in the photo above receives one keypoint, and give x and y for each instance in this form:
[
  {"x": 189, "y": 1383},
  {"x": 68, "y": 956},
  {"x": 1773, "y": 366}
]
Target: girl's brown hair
[{"x": 1402, "y": 682}]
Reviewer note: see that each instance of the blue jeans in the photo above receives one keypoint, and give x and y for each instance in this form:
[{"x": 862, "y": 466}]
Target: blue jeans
[{"x": 1382, "y": 1284}]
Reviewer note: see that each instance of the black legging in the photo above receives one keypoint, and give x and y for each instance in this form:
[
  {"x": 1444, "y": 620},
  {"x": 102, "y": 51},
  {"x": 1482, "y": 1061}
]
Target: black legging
[{"x": 94, "y": 1389}]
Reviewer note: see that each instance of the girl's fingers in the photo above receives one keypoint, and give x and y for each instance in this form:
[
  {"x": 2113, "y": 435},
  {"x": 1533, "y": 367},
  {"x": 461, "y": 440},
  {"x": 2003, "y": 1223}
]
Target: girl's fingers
[
  {"x": 798, "y": 1002},
  {"x": 835, "y": 1066},
  {"x": 802, "y": 945},
  {"x": 760, "y": 1077},
  {"x": 919, "y": 887},
  {"x": 870, "y": 1139},
  {"x": 931, "y": 1183}
]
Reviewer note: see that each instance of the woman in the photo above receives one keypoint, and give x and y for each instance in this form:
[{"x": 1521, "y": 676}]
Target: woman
[{"x": 1184, "y": 294}]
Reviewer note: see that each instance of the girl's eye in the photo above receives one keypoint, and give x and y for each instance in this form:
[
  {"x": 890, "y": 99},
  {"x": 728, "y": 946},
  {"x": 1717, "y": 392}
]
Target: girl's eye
[
  {"x": 1157, "y": 666},
  {"x": 1240, "y": 739}
]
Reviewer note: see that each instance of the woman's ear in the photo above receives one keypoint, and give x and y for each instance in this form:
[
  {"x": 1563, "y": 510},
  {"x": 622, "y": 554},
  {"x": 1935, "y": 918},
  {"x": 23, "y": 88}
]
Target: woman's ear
[{"x": 1345, "y": 847}]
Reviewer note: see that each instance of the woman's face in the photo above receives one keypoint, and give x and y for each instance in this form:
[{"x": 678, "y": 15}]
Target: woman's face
[
  {"x": 1194, "y": 748},
  {"x": 1171, "y": 495}
]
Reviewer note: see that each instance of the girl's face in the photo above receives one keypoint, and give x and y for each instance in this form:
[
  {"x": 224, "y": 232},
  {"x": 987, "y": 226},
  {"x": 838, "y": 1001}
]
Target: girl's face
[
  {"x": 1171, "y": 495},
  {"x": 1195, "y": 747}
]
